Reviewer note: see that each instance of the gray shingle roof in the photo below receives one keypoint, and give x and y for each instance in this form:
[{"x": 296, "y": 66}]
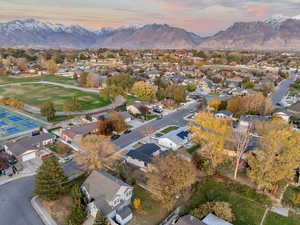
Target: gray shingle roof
[
  {"x": 189, "y": 220},
  {"x": 144, "y": 153},
  {"x": 177, "y": 136},
  {"x": 102, "y": 185},
  {"x": 20, "y": 146}
]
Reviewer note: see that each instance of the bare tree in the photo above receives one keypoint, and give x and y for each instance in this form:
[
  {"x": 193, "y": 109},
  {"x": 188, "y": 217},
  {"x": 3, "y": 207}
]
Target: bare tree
[
  {"x": 242, "y": 138},
  {"x": 147, "y": 131}
]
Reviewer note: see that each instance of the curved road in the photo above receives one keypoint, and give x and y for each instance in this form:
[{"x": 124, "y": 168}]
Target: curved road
[
  {"x": 15, "y": 207},
  {"x": 282, "y": 89}
]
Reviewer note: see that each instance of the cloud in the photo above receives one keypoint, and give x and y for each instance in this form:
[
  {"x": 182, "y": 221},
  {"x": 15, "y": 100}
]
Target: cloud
[{"x": 259, "y": 11}]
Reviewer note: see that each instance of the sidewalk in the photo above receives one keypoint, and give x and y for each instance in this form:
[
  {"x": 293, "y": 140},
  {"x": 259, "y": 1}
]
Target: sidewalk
[
  {"x": 45, "y": 217},
  {"x": 5, "y": 179}
]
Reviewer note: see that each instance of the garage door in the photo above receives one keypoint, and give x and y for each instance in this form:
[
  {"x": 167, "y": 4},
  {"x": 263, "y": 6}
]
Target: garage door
[{"x": 28, "y": 156}]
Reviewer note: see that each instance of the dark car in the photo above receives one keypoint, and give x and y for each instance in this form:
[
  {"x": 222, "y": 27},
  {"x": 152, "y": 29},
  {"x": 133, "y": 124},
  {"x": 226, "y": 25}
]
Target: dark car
[
  {"x": 157, "y": 110},
  {"x": 127, "y": 131},
  {"x": 115, "y": 137}
]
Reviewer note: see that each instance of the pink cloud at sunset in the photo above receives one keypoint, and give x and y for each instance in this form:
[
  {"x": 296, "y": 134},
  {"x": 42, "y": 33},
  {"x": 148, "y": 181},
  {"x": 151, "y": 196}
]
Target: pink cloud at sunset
[
  {"x": 259, "y": 11},
  {"x": 171, "y": 4}
]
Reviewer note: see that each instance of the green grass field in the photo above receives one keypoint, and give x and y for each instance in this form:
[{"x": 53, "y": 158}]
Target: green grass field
[
  {"x": 52, "y": 78},
  {"x": 37, "y": 94},
  {"x": 247, "y": 205}
]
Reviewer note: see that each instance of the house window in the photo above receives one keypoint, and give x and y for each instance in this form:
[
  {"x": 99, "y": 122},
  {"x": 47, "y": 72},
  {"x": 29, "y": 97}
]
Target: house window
[
  {"x": 116, "y": 201},
  {"x": 128, "y": 193}
]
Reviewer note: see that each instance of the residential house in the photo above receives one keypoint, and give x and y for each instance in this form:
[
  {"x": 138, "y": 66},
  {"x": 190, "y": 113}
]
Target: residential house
[
  {"x": 295, "y": 109},
  {"x": 106, "y": 193},
  {"x": 26, "y": 148},
  {"x": 282, "y": 114},
  {"x": 174, "y": 139},
  {"x": 211, "y": 219},
  {"x": 224, "y": 114},
  {"x": 138, "y": 108},
  {"x": 126, "y": 116},
  {"x": 6, "y": 167},
  {"x": 143, "y": 156},
  {"x": 78, "y": 132},
  {"x": 189, "y": 220}
]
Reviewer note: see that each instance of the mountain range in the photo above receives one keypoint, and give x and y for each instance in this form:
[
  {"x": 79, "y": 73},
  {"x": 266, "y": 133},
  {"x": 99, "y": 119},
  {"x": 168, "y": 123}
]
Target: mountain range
[{"x": 277, "y": 32}]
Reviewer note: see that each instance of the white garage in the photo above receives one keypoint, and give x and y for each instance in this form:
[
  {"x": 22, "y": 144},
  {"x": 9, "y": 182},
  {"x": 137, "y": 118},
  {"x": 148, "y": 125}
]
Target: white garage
[
  {"x": 29, "y": 155},
  {"x": 174, "y": 139}
]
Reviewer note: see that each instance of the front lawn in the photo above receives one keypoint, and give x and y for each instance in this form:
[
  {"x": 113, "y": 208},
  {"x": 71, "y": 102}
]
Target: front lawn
[
  {"x": 61, "y": 149},
  {"x": 166, "y": 130},
  {"x": 61, "y": 208},
  {"x": 37, "y": 94},
  {"x": 193, "y": 149}
]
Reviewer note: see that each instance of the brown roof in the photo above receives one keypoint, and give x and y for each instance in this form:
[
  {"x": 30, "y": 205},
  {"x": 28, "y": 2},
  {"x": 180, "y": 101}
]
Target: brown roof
[
  {"x": 189, "y": 220},
  {"x": 295, "y": 107},
  {"x": 81, "y": 130}
]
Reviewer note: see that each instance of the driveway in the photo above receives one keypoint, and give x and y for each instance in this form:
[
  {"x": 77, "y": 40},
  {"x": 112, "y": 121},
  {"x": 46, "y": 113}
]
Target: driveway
[
  {"x": 15, "y": 207},
  {"x": 175, "y": 118}
]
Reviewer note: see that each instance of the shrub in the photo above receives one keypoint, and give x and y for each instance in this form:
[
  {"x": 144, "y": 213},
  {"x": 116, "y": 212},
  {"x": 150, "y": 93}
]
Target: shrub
[
  {"x": 77, "y": 215},
  {"x": 291, "y": 197},
  {"x": 220, "y": 209}
]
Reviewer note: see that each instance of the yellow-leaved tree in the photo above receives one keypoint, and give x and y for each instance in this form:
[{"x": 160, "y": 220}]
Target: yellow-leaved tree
[
  {"x": 211, "y": 133},
  {"x": 276, "y": 157},
  {"x": 169, "y": 176},
  {"x": 215, "y": 103},
  {"x": 144, "y": 91},
  {"x": 97, "y": 152}
]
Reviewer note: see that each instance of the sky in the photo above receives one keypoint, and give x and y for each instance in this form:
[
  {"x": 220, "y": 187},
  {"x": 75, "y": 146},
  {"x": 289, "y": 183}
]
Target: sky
[{"x": 200, "y": 16}]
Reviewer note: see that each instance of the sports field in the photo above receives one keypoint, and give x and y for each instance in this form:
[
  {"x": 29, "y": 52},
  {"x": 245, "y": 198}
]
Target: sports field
[
  {"x": 13, "y": 123},
  {"x": 37, "y": 94}
]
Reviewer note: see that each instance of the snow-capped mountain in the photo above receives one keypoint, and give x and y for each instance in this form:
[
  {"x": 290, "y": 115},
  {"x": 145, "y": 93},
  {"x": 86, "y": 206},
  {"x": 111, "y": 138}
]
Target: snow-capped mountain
[
  {"x": 278, "y": 32},
  {"x": 35, "y": 33},
  {"x": 278, "y": 19}
]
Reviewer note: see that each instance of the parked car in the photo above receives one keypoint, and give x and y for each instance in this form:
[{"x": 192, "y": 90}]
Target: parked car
[
  {"x": 157, "y": 110},
  {"x": 127, "y": 131},
  {"x": 115, "y": 137}
]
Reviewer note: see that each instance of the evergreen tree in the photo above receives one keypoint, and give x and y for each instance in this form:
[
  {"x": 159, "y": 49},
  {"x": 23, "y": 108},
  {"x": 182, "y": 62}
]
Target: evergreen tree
[
  {"x": 49, "y": 179},
  {"x": 77, "y": 215},
  {"x": 76, "y": 194},
  {"x": 100, "y": 219}
]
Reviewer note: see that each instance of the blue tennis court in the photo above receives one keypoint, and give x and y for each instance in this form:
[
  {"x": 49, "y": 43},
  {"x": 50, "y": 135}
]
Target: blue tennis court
[
  {"x": 13, "y": 123},
  {"x": 15, "y": 118}
]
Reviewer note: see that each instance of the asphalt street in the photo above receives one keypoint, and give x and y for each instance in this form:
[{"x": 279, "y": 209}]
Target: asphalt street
[
  {"x": 15, "y": 207},
  {"x": 282, "y": 89},
  {"x": 175, "y": 118}
]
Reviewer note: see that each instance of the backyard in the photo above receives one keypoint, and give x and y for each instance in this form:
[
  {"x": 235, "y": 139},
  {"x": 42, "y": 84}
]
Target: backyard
[
  {"x": 37, "y": 94},
  {"x": 248, "y": 206}
]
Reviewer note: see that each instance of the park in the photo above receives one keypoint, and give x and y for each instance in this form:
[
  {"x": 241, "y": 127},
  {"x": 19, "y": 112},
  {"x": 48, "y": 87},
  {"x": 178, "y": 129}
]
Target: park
[{"x": 35, "y": 94}]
